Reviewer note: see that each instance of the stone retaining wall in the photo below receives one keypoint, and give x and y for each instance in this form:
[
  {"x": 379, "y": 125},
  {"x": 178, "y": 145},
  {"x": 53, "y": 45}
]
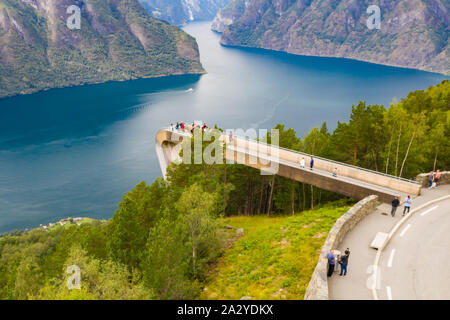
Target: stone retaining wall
[
  {"x": 423, "y": 178},
  {"x": 318, "y": 285}
]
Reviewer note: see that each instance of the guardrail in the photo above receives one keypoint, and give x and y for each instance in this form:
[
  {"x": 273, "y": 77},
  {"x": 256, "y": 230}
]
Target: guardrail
[{"x": 333, "y": 161}]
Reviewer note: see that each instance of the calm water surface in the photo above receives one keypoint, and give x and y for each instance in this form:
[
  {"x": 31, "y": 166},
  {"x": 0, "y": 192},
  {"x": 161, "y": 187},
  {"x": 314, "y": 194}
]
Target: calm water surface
[{"x": 76, "y": 151}]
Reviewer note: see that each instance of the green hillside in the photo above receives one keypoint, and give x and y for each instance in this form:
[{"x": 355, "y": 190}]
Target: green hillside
[{"x": 275, "y": 257}]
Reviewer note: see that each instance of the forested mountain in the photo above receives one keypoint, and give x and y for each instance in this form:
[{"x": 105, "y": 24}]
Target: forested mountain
[
  {"x": 413, "y": 33},
  {"x": 179, "y": 12},
  {"x": 118, "y": 40}
]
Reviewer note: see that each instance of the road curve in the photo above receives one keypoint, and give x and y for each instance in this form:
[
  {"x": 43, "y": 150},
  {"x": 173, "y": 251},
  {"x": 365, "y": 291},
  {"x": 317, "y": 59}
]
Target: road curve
[{"x": 415, "y": 263}]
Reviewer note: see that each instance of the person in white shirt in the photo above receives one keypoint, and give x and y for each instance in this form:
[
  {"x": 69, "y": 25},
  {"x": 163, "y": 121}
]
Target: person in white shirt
[
  {"x": 302, "y": 163},
  {"x": 407, "y": 207},
  {"x": 335, "y": 172}
]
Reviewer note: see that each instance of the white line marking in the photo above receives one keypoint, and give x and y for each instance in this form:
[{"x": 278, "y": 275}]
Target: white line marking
[
  {"x": 391, "y": 258},
  {"x": 389, "y": 292},
  {"x": 404, "y": 230},
  {"x": 428, "y": 211}
]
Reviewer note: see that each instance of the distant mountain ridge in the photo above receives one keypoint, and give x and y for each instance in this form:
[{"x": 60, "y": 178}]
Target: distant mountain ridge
[
  {"x": 118, "y": 40},
  {"x": 180, "y": 12},
  {"x": 413, "y": 34}
]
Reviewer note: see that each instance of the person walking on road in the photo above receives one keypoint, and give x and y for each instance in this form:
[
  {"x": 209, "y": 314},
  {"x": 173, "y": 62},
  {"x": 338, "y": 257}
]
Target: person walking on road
[
  {"x": 302, "y": 163},
  {"x": 408, "y": 201},
  {"x": 344, "y": 262},
  {"x": 395, "y": 204},
  {"x": 311, "y": 164},
  {"x": 331, "y": 262}
]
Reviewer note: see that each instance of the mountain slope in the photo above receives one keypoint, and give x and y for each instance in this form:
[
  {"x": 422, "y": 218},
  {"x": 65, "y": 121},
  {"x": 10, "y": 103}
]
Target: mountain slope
[
  {"x": 414, "y": 33},
  {"x": 118, "y": 40},
  {"x": 179, "y": 12}
]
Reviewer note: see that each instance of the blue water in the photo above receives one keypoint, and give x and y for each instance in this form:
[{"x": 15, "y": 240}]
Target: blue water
[{"x": 77, "y": 151}]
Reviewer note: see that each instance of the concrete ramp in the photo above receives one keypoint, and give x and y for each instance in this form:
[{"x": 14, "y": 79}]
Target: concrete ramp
[{"x": 351, "y": 181}]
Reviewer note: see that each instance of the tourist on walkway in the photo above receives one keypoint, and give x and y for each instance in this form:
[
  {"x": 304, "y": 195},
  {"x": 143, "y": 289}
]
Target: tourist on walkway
[
  {"x": 177, "y": 127},
  {"x": 302, "y": 163},
  {"x": 331, "y": 262},
  {"x": 395, "y": 204},
  {"x": 171, "y": 127},
  {"x": 437, "y": 177},
  {"x": 182, "y": 125},
  {"x": 408, "y": 201},
  {"x": 231, "y": 136},
  {"x": 344, "y": 262},
  {"x": 311, "y": 164},
  {"x": 335, "y": 172}
]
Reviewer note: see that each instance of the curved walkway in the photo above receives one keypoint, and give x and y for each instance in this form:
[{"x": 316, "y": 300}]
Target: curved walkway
[
  {"x": 419, "y": 264},
  {"x": 350, "y": 181}
]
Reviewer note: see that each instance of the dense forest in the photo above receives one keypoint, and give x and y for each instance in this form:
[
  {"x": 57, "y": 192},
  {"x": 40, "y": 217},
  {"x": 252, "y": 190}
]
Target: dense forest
[{"x": 164, "y": 237}]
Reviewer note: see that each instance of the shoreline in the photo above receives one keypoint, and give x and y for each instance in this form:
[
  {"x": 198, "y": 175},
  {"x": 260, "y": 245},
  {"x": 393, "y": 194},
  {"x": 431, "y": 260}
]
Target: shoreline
[
  {"x": 53, "y": 226},
  {"x": 101, "y": 82},
  {"x": 334, "y": 57}
]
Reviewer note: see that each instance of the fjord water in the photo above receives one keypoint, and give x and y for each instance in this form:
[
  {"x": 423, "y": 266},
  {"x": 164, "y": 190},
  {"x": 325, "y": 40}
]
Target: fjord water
[{"x": 77, "y": 151}]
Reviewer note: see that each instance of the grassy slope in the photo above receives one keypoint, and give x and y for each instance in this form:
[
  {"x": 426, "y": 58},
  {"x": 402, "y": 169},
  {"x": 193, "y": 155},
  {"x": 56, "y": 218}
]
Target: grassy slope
[{"x": 276, "y": 256}]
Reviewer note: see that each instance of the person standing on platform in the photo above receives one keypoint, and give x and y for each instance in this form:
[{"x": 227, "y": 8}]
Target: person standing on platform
[
  {"x": 335, "y": 172},
  {"x": 311, "y": 164},
  {"x": 302, "y": 163},
  {"x": 408, "y": 201}
]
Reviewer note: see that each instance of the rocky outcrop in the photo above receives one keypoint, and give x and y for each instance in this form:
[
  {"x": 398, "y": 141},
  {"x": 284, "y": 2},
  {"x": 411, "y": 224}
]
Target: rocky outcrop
[
  {"x": 318, "y": 285},
  {"x": 118, "y": 40},
  {"x": 229, "y": 15},
  {"x": 179, "y": 12},
  {"x": 413, "y": 33}
]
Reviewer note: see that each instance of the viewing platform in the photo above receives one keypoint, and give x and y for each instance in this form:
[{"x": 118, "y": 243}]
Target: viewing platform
[{"x": 350, "y": 181}]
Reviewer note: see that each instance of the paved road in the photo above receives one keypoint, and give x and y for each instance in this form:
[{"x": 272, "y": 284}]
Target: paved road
[
  {"x": 354, "y": 285},
  {"x": 416, "y": 263}
]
